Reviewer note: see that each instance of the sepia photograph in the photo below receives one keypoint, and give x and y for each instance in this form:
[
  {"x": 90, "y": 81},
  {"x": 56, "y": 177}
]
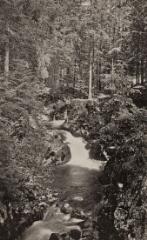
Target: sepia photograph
[{"x": 73, "y": 119}]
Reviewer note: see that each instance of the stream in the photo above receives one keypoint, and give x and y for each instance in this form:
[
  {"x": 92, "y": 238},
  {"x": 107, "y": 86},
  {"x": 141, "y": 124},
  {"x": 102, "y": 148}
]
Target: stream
[{"x": 77, "y": 181}]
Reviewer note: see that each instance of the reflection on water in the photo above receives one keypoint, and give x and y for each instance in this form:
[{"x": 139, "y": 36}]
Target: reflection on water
[{"x": 79, "y": 177}]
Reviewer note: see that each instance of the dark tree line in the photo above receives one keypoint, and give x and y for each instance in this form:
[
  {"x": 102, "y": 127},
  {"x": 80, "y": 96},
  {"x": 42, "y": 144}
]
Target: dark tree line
[{"x": 84, "y": 44}]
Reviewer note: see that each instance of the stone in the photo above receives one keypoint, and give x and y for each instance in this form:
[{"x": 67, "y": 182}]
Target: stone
[
  {"x": 87, "y": 224},
  {"x": 75, "y": 232},
  {"x": 82, "y": 214},
  {"x": 54, "y": 236},
  {"x": 52, "y": 200},
  {"x": 78, "y": 198},
  {"x": 120, "y": 185},
  {"x": 55, "y": 194},
  {"x": 66, "y": 208}
]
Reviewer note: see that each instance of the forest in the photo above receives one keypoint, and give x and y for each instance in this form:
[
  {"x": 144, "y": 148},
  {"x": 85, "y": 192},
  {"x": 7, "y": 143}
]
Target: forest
[{"x": 73, "y": 72}]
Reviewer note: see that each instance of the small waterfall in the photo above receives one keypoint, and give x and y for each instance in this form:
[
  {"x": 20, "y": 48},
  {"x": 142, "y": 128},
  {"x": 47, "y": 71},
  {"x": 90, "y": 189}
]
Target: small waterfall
[
  {"x": 77, "y": 181},
  {"x": 79, "y": 153}
]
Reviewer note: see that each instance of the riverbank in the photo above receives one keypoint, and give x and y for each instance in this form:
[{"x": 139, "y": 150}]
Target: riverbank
[
  {"x": 114, "y": 130},
  {"x": 76, "y": 186},
  {"x": 122, "y": 211},
  {"x": 30, "y": 193}
]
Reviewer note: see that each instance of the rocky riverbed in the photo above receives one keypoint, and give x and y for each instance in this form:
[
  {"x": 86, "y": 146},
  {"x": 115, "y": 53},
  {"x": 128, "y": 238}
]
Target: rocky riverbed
[
  {"x": 114, "y": 131},
  {"x": 75, "y": 191}
]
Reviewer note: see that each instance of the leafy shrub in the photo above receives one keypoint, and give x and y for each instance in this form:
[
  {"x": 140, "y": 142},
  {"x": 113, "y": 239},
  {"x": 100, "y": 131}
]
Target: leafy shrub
[{"x": 20, "y": 154}]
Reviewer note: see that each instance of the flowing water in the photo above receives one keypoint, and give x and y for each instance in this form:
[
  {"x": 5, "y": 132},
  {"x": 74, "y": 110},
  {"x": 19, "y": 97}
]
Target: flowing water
[{"x": 77, "y": 181}]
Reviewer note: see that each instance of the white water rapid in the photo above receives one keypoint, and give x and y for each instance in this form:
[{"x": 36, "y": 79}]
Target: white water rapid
[{"x": 79, "y": 153}]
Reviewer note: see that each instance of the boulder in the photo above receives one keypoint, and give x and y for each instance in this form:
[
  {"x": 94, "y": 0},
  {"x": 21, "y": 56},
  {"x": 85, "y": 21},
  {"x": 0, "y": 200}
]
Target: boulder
[
  {"x": 78, "y": 198},
  {"x": 75, "y": 234},
  {"x": 66, "y": 208}
]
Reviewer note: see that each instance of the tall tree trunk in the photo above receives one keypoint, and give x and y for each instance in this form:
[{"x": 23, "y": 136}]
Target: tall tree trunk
[
  {"x": 54, "y": 78},
  {"x": 99, "y": 75},
  {"x": 74, "y": 77},
  {"x": 137, "y": 72},
  {"x": 138, "y": 63},
  {"x": 145, "y": 70},
  {"x": 7, "y": 53},
  {"x": 6, "y": 61},
  {"x": 61, "y": 76},
  {"x": 93, "y": 58},
  {"x": 42, "y": 64},
  {"x": 58, "y": 78},
  {"x": 142, "y": 71},
  {"x": 90, "y": 79},
  {"x": 112, "y": 71},
  {"x": 67, "y": 77},
  {"x": 100, "y": 48}
]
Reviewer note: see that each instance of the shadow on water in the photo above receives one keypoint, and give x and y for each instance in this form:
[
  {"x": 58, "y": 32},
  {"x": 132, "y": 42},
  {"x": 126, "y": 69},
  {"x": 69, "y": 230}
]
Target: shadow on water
[{"x": 73, "y": 182}]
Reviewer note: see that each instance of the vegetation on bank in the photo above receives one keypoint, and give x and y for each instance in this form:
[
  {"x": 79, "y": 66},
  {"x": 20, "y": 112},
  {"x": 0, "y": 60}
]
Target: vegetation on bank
[
  {"x": 122, "y": 137},
  {"x": 114, "y": 129},
  {"x": 27, "y": 151},
  {"x": 91, "y": 47}
]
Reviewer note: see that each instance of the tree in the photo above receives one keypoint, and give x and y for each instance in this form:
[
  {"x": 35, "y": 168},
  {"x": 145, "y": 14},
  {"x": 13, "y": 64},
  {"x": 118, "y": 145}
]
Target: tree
[{"x": 136, "y": 41}]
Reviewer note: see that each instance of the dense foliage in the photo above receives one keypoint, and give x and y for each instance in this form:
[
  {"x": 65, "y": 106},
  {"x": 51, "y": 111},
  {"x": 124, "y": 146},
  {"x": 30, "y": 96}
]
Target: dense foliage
[
  {"x": 83, "y": 47},
  {"x": 114, "y": 131},
  {"x": 82, "y": 44},
  {"x": 25, "y": 174}
]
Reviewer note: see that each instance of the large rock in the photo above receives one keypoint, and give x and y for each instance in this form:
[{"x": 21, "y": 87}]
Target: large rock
[
  {"x": 51, "y": 230},
  {"x": 66, "y": 208}
]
